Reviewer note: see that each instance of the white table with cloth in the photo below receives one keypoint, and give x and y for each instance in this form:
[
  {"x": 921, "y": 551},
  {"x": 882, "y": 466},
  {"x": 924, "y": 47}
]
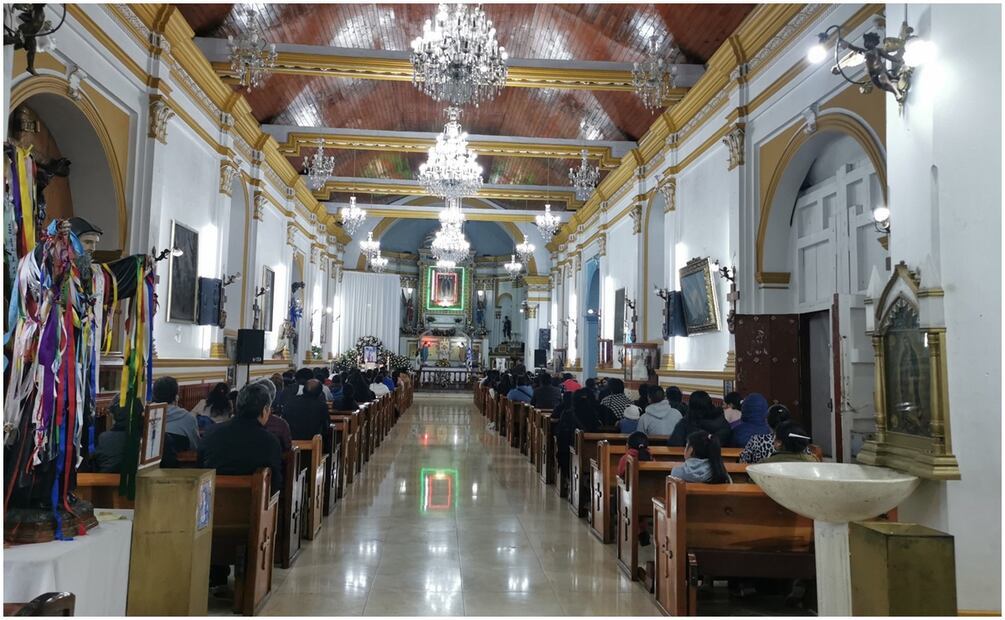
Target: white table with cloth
[{"x": 95, "y": 567}]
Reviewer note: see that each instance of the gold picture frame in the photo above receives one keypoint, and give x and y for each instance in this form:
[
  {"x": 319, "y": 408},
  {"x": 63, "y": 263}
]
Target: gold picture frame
[
  {"x": 912, "y": 386},
  {"x": 152, "y": 439},
  {"x": 701, "y": 305}
]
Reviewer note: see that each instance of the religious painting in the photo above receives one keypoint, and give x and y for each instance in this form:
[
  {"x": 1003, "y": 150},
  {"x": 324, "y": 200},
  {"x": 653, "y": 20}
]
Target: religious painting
[
  {"x": 205, "y": 508},
  {"x": 619, "y": 316},
  {"x": 369, "y": 355},
  {"x": 152, "y": 439},
  {"x": 269, "y": 298},
  {"x": 906, "y": 369},
  {"x": 183, "y": 277},
  {"x": 641, "y": 360},
  {"x": 701, "y": 309},
  {"x": 445, "y": 289}
]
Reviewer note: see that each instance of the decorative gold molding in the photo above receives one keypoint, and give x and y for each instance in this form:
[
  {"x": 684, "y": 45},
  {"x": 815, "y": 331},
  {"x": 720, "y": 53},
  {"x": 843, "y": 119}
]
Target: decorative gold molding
[
  {"x": 486, "y": 215},
  {"x": 217, "y": 350},
  {"x": 392, "y": 189}
]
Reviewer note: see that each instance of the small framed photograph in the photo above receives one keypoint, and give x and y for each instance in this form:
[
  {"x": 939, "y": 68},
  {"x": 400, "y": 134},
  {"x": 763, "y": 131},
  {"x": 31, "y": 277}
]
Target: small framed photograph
[{"x": 152, "y": 440}]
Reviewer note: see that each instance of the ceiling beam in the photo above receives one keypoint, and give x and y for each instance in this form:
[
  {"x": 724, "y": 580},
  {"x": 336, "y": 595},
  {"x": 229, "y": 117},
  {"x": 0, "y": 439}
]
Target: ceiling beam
[
  {"x": 298, "y": 141},
  {"x": 395, "y": 66},
  {"x": 393, "y": 187},
  {"x": 432, "y": 213}
]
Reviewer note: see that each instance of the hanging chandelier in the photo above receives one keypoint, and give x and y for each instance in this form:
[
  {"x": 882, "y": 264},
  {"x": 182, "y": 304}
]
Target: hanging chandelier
[
  {"x": 584, "y": 178},
  {"x": 451, "y": 215},
  {"x": 449, "y": 244},
  {"x": 370, "y": 248},
  {"x": 654, "y": 78},
  {"x": 525, "y": 250},
  {"x": 319, "y": 168},
  {"x": 251, "y": 56},
  {"x": 513, "y": 267},
  {"x": 451, "y": 170},
  {"x": 352, "y": 216},
  {"x": 445, "y": 264},
  {"x": 457, "y": 59},
  {"x": 547, "y": 223},
  {"x": 378, "y": 263}
]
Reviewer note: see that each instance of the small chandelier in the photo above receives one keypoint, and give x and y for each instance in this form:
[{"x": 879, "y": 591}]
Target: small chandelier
[
  {"x": 584, "y": 178},
  {"x": 889, "y": 61},
  {"x": 653, "y": 79},
  {"x": 457, "y": 59},
  {"x": 251, "y": 56},
  {"x": 449, "y": 244},
  {"x": 352, "y": 216},
  {"x": 525, "y": 250},
  {"x": 378, "y": 263},
  {"x": 452, "y": 215},
  {"x": 451, "y": 171},
  {"x": 547, "y": 223},
  {"x": 319, "y": 168},
  {"x": 445, "y": 264},
  {"x": 513, "y": 267},
  {"x": 370, "y": 248}
]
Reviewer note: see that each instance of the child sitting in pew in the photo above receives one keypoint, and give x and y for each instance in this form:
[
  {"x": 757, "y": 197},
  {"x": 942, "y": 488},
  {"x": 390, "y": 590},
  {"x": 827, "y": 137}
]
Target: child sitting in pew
[
  {"x": 638, "y": 447},
  {"x": 791, "y": 445},
  {"x": 702, "y": 460}
]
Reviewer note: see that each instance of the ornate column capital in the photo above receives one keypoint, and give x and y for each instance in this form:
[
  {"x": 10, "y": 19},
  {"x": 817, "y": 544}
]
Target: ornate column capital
[
  {"x": 636, "y": 214},
  {"x": 667, "y": 186},
  {"x": 259, "y": 210},
  {"x": 734, "y": 142},
  {"x": 291, "y": 229},
  {"x": 229, "y": 168},
  {"x": 602, "y": 242},
  {"x": 160, "y": 114}
]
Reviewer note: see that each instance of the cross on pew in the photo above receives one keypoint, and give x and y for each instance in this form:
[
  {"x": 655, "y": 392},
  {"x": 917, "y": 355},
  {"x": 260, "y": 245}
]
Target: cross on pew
[
  {"x": 314, "y": 462},
  {"x": 584, "y": 449}
]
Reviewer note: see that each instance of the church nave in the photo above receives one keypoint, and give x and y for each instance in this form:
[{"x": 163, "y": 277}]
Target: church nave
[{"x": 447, "y": 519}]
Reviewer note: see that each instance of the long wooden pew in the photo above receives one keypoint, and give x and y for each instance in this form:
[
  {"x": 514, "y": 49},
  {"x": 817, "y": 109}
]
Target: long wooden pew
[
  {"x": 723, "y": 530},
  {"x": 292, "y": 502},
  {"x": 314, "y": 461},
  {"x": 584, "y": 449},
  {"x": 642, "y": 481},
  {"x": 333, "y": 469},
  {"x": 603, "y": 482},
  {"x": 348, "y": 425},
  {"x": 546, "y": 457}
]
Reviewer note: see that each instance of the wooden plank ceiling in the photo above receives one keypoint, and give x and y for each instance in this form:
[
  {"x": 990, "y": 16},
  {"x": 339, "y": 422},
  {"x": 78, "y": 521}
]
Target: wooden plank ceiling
[{"x": 543, "y": 32}]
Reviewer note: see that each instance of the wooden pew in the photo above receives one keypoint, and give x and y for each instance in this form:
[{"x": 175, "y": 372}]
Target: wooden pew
[
  {"x": 583, "y": 449},
  {"x": 333, "y": 470},
  {"x": 244, "y": 532},
  {"x": 518, "y": 435},
  {"x": 723, "y": 530},
  {"x": 349, "y": 426},
  {"x": 102, "y": 490},
  {"x": 644, "y": 480},
  {"x": 292, "y": 501},
  {"x": 603, "y": 482},
  {"x": 314, "y": 461},
  {"x": 546, "y": 449}
]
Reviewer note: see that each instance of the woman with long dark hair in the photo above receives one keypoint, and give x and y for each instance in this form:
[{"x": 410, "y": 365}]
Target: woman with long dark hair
[
  {"x": 215, "y": 408},
  {"x": 702, "y": 415}
]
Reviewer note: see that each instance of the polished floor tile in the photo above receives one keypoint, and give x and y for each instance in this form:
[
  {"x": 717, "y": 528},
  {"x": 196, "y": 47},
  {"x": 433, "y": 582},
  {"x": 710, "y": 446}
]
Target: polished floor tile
[{"x": 448, "y": 520}]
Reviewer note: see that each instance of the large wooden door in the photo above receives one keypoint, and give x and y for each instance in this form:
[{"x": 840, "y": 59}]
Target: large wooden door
[{"x": 767, "y": 358}]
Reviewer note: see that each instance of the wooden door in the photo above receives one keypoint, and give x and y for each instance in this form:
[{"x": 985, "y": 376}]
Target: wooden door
[{"x": 768, "y": 358}]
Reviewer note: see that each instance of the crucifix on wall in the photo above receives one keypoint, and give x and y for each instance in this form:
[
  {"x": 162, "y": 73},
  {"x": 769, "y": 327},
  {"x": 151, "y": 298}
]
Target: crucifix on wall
[{"x": 632, "y": 334}]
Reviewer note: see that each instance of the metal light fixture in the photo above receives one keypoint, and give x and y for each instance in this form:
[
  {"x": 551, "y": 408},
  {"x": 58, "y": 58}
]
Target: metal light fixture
[
  {"x": 451, "y": 170},
  {"x": 525, "y": 250},
  {"x": 370, "y": 248},
  {"x": 881, "y": 219},
  {"x": 457, "y": 58},
  {"x": 378, "y": 263},
  {"x": 727, "y": 273},
  {"x": 655, "y": 77},
  {"x": 513, "y": 267},
  {"x": 352, "y": 216},
  {"x": 319, "y": 167},
  {"x": 449, "y": 244},
  {"x": 547, "y": 223},
  {"x": 251, "y": 56},
  {"x": 452, "y": 215},
  {"x": 889, "y": 61},
  {"x": 33, "y": 33},
  {"x": 445, "y": 264},
  {"x": 584, "y": 178}
]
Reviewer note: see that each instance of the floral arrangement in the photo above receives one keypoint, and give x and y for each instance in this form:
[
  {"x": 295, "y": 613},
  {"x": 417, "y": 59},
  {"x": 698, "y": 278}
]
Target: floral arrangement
[
  {"x": 399, "y": 362},
  {"x": 349, "y": 360},
  {"x": 370, "y": 341},
  {"x": 442, "y": 363}
]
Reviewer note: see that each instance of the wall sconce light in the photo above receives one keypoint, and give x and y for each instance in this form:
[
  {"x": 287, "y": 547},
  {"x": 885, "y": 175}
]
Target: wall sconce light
[
  {"x": 26, "y": 28},
  {"x": 889, "y": 61},
  {"x": 296, "y": 286},
  {"x": 228, "y": 280},
  {"x": 662, "y": 293},
  {"x": 881, "y": 219},
  {"x": 726, "y": 273}
]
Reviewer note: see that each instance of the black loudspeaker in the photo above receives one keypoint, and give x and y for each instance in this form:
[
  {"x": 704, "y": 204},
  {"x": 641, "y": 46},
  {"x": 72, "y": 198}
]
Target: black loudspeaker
[
  {"x": 540, "y": 358},
  {"x": 544, "y": 338},
  {"x": 250, "y": 346}
]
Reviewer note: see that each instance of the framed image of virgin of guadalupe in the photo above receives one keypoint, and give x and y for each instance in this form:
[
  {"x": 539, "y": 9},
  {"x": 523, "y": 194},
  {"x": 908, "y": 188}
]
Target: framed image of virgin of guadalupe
[
  {"x": 183, "y": 276},
  {"x": 701, "y": 308}
]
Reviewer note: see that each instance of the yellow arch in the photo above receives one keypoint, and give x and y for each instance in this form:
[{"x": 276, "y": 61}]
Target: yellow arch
[
  {"x": 829, "y": 122},
  {"x": 53, "y": 85}
]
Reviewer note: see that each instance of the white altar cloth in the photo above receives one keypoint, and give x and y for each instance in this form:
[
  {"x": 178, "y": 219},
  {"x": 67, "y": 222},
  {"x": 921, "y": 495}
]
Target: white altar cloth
[{"x": 94, "y": 567}]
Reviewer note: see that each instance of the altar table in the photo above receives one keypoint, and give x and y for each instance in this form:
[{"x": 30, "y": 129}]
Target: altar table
[{"x": 95, "y": 568}]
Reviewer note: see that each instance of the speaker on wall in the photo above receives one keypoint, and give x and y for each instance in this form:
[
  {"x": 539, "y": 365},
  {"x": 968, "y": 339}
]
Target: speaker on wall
[
  {"x": 250, "y": 346},
  {"x": 540, "y": 358}
]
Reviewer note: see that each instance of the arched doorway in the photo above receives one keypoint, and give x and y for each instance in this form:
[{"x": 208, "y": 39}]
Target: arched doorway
[{"x": 591, "y": 319}]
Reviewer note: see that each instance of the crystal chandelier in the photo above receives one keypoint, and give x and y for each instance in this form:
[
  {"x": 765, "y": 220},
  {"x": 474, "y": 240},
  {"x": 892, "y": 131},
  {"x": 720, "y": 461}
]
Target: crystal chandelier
[
  {"x": 452, "y": 215},
  {"x": 547, "y": 223},
  {"x": 513, "y": 268},
  {"x": 445, "y": 264},
  {"x": 369, "y": 248},
  {"x": 457, "y": 59},
  {"x": 449, "y": 244},
  {"x": 451, "y": 170},
  {"x": 525, "y": 250},
  {"x": 584, "y": 178},
  {"x": 352, "y": 216},
  {"x": 251, "y": 56},
  {"x": 653, "y": 79},
  {"x": 378, "y": 263},
  {"x": 319, "y": 168}
]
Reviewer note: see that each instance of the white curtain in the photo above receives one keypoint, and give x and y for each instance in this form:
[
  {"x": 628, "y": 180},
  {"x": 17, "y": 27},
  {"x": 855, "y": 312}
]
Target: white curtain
[{"x": 370, "y": 306}]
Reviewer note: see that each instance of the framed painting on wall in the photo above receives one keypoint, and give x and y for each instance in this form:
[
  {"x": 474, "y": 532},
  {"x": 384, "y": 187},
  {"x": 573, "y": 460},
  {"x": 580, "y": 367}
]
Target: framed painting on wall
[
  {"x": 269, "y": 298},
  {"x": 619, "y": 316},
  {"x": 152, "y": 439},
  {"x": 183, "y": 277},
  {"x": 701, "y": 308}
]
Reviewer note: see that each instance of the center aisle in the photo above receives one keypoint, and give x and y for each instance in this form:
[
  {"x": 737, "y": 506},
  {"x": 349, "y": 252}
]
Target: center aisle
[{"x": 448, "y": 520}]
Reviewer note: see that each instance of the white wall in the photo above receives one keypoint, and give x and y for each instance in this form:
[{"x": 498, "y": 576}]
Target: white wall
[{"x": 945, "y": 198}]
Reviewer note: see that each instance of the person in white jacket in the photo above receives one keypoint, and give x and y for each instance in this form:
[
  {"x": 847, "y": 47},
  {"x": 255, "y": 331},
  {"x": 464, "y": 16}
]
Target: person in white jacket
[{"x": 659, "y": 418}]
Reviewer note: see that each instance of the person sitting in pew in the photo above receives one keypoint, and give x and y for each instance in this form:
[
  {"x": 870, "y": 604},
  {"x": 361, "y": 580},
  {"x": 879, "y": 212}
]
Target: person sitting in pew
[
  {"x": 762, "y": 445},
  {"x": 307, "y": 413},
  {"x": 643, "y": 400},
  {"x": 616, "y": 400},
  {"x": 702, "y": 415},
  {"x": 180, "y": 423},
  {"x": 638, "y": 447},
  {"x": 569, "y": 383},
  {"x": 348, "y": 401},
  {"x": 277, "y": 425},
  {"x": 107, "y": 457},
  {"x": 702, "y": 461},
  {"x": 546, "y": 395},
  {"x": 215, "y": 408},
  {"x": 336, "y": 388},
  {"x": 322, "y": 375},
  {"x": 361, "y": 387},
  {"x": 659, "y": 417},
  {"x": 377, "y": 385},
  {"x": 791, "y": 445},
  {"x": 629, "y": 421},
  {"x": 388, "y": 381},
  {"x": 676, "y": 399},
  {"x": 522, "y": 392},
  {"x": 753, "y": 420},
  {"x": 731, "y": 409}
]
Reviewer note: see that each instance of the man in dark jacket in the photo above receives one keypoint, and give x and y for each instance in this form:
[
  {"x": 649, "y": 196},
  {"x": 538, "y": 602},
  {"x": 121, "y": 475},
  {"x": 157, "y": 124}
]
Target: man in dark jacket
[
  {"x": 546, "y": 395},
  {"x": 307, "y": 414}
]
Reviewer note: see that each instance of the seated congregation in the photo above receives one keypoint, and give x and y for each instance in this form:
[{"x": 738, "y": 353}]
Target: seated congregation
[{"x": 625, "y": 463}]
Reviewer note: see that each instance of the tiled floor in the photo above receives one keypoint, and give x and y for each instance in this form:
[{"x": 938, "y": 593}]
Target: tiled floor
[{"x": 448, "y": 520}]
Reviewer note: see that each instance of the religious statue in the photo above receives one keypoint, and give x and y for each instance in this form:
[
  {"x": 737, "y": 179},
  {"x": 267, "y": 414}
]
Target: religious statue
[
  {"x": 409, "y": 312},
  {"x": 480, "y": 312},
  {"x": 507, "y": 328},
  {"x": 286, "y": 344}
]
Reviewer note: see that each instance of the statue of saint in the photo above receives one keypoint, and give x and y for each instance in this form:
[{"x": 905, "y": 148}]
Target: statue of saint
[{"x": 507, "y": 328}]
